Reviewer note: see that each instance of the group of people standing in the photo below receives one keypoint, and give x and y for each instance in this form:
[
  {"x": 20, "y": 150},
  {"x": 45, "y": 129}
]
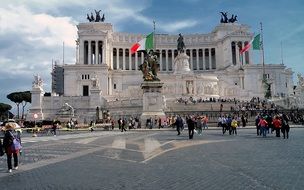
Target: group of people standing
[
  {"x": 193, "y": 122},
  {"x": 266, "y": 122},
  {"x": 230, "y": 124}
]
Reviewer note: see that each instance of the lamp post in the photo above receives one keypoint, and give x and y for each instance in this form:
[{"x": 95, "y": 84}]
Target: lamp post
[{"x": 34, "y": 131}]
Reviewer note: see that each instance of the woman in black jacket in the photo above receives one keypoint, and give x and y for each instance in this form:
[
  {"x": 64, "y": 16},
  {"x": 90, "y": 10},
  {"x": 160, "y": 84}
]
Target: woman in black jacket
[
  {"x": 9, "y": 137},
  {"x": 285, "y": 126}
]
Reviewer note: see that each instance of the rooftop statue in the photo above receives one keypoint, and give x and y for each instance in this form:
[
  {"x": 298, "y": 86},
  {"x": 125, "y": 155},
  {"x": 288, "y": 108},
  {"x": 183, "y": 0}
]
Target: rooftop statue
[
  {"x": 150, "y": 67},
  {"x": 89, "y": 18},
  {"x": 233, "y": 19},
  {"x": 92, "y": 17},
  {"x": 224, "y": 18},
  {"x": 97, "y": 17},
  {"x": 180, "y": 44}
]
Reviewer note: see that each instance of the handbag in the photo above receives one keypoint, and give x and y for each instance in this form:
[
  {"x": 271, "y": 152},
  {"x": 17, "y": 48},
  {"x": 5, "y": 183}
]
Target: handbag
[{"x": 16, "y": 145}]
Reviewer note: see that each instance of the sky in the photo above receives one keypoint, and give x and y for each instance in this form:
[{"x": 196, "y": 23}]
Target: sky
[{"x": 32, "y": 32}]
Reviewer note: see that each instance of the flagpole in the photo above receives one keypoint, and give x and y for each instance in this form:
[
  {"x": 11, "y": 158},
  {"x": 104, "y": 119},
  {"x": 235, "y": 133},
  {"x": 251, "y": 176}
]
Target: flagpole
[
  {"x": 63, "y": 53},
  {"x": 282, "y": 53},
  {"x": 154, "y": 40},
  {"x": 262, "y": 48}
]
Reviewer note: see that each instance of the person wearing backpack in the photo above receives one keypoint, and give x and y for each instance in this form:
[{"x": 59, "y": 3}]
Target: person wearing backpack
[{"x": 8, "y": 142}]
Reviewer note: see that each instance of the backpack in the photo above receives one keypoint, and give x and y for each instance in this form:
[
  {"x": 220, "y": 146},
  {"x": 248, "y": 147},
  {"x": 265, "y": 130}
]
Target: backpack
[{"x": 16, "y": 145}]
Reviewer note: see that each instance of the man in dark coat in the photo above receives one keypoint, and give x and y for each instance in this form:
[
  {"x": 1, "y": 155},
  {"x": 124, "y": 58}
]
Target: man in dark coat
[
  {"x": 285, "y": 126},
  {"x": 191, "y": 125},
  {"x": 179, "y": 124}
]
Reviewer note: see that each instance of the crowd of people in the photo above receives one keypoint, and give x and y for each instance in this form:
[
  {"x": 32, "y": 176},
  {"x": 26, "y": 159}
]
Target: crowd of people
[
  {"x": 266, "y": 122},
  {"x": 254, "y": 104},
  {"x": 278, "y": 122},
  {"x": 269, "y": 121}
]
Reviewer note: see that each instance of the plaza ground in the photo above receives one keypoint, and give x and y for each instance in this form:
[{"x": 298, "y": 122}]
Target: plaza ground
[{"x": 158, "y": 159}]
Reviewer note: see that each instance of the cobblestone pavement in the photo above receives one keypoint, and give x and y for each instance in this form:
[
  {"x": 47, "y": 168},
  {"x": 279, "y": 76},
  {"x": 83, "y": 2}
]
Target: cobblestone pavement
[{"x": 159, "y": 160}]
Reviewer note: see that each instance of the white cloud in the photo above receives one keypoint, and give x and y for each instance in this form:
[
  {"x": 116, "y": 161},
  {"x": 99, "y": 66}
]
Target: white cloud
[
  {"x": 39, "y": 28},
  {"x": 179, "y": 25}
]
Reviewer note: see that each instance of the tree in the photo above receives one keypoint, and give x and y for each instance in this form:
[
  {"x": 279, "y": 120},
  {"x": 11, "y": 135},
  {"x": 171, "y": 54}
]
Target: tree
[
  {"x": 16, "y": 97},
  {"x": 4, "y": 108},
  {"x": 27, "y": 98}
]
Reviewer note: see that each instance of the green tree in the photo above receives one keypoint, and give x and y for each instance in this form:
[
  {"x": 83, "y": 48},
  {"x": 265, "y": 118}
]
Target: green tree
[
  {"x": 16, "y": 97},
  {"x": 27, "y": 98},
  {"x": 4, "y": 108}
]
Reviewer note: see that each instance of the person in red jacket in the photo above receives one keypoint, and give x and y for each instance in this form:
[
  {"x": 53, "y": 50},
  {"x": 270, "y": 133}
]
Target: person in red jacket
[
  {"x": 277, "y": 125},
  {"x": 263, "y": 124}
]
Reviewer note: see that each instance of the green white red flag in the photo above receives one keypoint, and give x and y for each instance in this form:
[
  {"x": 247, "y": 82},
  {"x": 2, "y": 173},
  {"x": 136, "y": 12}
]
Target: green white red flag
[
  {"x": 144, "y": 44},
  {"x": 255, "y": 43}
]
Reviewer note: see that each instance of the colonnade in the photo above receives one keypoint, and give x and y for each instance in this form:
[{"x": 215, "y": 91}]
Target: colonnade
[
  {"x": 200, "y": 59},
  {"x": 237, "y": 58},
  {"x": 92, "y": 51}
]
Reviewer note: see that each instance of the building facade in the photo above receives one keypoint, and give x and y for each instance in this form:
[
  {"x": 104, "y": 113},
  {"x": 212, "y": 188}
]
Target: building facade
[{"x": 106, "y": 74}]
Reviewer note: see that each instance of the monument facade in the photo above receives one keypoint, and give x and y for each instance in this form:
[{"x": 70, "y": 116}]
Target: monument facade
[{"x": 106, "y": 75}]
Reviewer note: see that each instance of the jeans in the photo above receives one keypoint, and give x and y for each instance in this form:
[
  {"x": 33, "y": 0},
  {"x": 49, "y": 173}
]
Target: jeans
[
  {"x": 191, "y": 132},
  {"x": 264, "y": 130},
  {"x": 9, "y": 160}
]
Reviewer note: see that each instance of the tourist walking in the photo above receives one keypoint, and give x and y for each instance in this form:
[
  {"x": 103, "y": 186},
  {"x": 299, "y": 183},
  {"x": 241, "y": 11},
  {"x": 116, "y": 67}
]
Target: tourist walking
[
  {"x": 257, "y": 120},
  {"x": 123, "y": 124},
  {"x": 191, "y": 124},
  {"x": 234, "y": 125},
  {"x": 224, "y": 124},
  {"x": 199, "y": 125},
  {"x": 119, "y": 123},
  {"x": 92, "y": 126},
  {"x": 277, "y": 125},
  {"x": 263, "y": 126},
  {"x": 112, "y": 124},
  {"x": 285, "y": 126},
  {"x": 178, "y": 124},
  {"x": 219, "y": 121},
  {"x": 12, "y": 145},
  {"x": 244, "y": 121},
  {"x": 269, "y": 120},
  {"x": 205, "y": 121},
  {"x": 228, "y": 124},
  {"x": 54, "y": 128}
]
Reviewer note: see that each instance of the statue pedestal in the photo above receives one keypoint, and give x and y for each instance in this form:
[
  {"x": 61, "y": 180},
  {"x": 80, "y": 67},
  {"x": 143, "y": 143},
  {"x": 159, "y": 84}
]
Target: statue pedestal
[
  {"x": 153, "y": 106},
  {"x": 181, "y": 64},
  {"x": 35, "y": 112},
  {"x": 95, "y": 98}
]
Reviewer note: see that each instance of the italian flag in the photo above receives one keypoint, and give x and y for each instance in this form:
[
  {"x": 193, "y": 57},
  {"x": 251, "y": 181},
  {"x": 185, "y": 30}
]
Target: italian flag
[
  {"x": 144, "y": 44},
  {"x": 255, "y": 43}
]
